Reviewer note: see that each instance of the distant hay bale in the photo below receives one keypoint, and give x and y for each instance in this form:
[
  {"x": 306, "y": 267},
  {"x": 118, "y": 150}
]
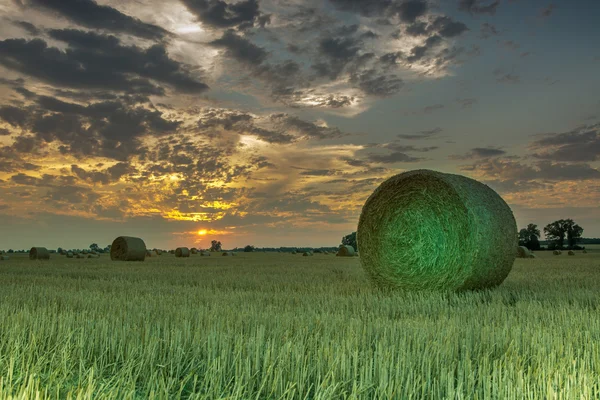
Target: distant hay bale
[
  {"x": 85, "y": 251},
  {"x": 79, "y": 255},
  {"x": 571, "y": 253},
  {"x": 128, "y": 248},
  {"x": 425, "y": 229},
  {"x": 194, "y": 250},
  {"x": 205, "y": 253},
  {"x": 69, "y": 254},
  {"x": 556, "y": 253},
  {"x": 4, "y": 258},
  {"x": 39, "y": 253},
  {"x": 157, "y": 252},
  {"x": 584, "y": 251},
  {"x": 325, "y": 252},
  {"x": 228, "y": 253},
  {"x": 293, "y": 251},
  {"x": 523, "y": 252},
  {"x": 182, "y": 252},
  {"x": 306, "y": 254},
  {"x": 346, "y": 251},
  {"x": 148, "y": 253}
]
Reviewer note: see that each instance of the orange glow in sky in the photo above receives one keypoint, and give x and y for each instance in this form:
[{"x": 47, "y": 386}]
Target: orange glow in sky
[{"x": 202, "y": 232}]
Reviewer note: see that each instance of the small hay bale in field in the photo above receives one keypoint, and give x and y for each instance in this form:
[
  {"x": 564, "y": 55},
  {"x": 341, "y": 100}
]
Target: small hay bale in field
[
  {"x": 293, "y": 251},
  {"x": 346, "y": 251},
  {"x": 556, "y": 253},
  {"x": 148, "y": 253},
  {"x": 571, "y": 253},
  {"x": 182, "y": 252},
  {"x": 584, "y": 251},
  {"x": 69, "y": 254},
  {"x": 93, "y": 256},
  {"x": 325, "y": 252},
  {"x": 523, "y": 252},
  {"x": 128, "y": 248},
  {"x": 4, "y": 258},
  {"x": 39, "y": 253},
  {"x": 425, "y": 229},
  {"x": 194, "y": 250},
  {"x": 79, "y": 255},
  {"x": 228, "y": 253},
  {"x": 205, "y": 253},
  {"x": 306, "y": 254},
  {"x": 157, "y": 252}
]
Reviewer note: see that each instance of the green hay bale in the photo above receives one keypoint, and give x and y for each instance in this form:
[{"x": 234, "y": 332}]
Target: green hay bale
[
  {"x": 346, "y": 251},
  {"x": 39, "y": 253},
  {"x": 194, "y": 250},
  {"x": 523, "y": 252},
  {"x": 571, "y": 253},
  {"x": 556, "y": 253},
  {"x": 127, "y": 248},
  {"x": 424, "y": 229},
  {"x": 182, "y": 252}
]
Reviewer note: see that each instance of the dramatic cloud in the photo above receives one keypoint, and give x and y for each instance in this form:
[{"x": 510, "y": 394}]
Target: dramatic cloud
[
  {"x": 475, "y": 6},
  {"x": 221, "y": 14},
  {"x": 580, "y": 144},
  {"x": 96, "y": 61},
  {"x": 479, "y": 152},
  {"x": 90, "y": 14}
]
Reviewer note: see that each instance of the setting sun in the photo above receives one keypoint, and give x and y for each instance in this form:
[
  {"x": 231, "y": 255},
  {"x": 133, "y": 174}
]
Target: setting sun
[{"x": 202, "y": 232}]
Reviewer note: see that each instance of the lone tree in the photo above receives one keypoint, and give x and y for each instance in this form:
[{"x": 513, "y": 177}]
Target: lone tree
[
  {"x": 529, "y": 237},
  {"x": 249, "y": 249},
  {"x": 94, "y": 247},
  {"x": 215, "y": 245},
  {"x": 557, "y": 230},
  {"x": 350, "y": 240}
]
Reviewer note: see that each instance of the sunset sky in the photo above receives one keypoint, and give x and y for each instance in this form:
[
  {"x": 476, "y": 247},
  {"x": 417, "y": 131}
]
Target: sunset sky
[{"x": 270, "y": 122}]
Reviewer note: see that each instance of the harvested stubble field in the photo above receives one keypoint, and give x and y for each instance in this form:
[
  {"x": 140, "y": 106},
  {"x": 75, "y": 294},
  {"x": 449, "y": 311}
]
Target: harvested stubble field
[{"x": 283, "y": 326}]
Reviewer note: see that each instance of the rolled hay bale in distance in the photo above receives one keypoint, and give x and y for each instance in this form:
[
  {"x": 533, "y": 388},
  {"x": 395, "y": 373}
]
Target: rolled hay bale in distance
[
  {"x": 556, "y": 253},
  {"x": 205, "y": 253},
  {"x": 293, "y": 251},
  {"x": 4, "y": 257},
  {"x": 79, "y": 255},
  {"x": 425, "y": 229},
  {"x": 228, "y": 253},
  {"x": 194, "y": 250},
  {"x": 148, "y": 253},
  {"x": 69, "y": 254},
  {"x": 523, "y": 252},
  {"x": 39, "y": 253},
  {"x": 306, "y": 254},
  {"x": 157, "y": 252},
  {"x": 346, "y": 251},
  {"x": 128, "y": 248},
  {"x": 182, "y": 252},
  {"x": 571, "y": 253}
]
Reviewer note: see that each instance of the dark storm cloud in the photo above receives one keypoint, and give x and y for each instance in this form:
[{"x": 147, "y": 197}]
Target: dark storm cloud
[
  {"x": 110, "y": 129},
  {"x": 90, "y": 14},
  {"x": 240, "y": 48},
  {"x": 15, "y": 116},
  {"x": 416, "y": 29},
  {"x": 306, "y": 128},
  {"x": 504, "y": 169},
  {"x": 28, "y": 26},
  {"x": 221, "y": 14},
  {"x": 109, "y": 175},
  {"x": 407, "y": 11},
  {"x": 4, "y": 132},
  {"x": 475, "y": 6},
  {"x": 372, "y": 83},
  {"x": 421, "y": 134},
  {"x": 96, "y": 61},
  {"x": 479, "y": 152},
  {"x": 580, "y": 144},
  {"x": 418, "y": 52},
  {"x": 448, "y": 28}
]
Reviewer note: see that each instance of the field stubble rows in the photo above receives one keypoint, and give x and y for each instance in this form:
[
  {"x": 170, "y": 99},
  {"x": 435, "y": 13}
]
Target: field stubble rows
[{"x": 283, "y": 326}]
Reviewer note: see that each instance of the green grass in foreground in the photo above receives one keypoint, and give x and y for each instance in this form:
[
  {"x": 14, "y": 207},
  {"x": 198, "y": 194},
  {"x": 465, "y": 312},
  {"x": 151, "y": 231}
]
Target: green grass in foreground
[{"x": 282, "y": 326}]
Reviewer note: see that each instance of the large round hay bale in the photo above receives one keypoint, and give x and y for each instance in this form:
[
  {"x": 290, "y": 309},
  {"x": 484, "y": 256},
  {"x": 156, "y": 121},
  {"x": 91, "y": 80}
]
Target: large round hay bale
[
  {"x": 194, "y": 250},
  {"x": 571, "y": 253},
  {"x": 69, "y": 254},
  {"x": 39, "y": 253},
  {"x": 128, "y": 248},
  {"x": 523, "y": 252},
  {"x": 346, "y": 251},
  {"x": 182, "y": 252},
  {"x": 4, "y": 258},
  {"x": 424, "y": 229}
]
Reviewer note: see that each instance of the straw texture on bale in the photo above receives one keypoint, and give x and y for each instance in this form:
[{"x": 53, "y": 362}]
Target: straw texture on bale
[
  {"x": 523, "y": 252},
  {"x": 571, "y": 253},
  {"x": 39, "y": 253},
  {"x": 424, "y": 229},
  {"x": 128, "y": 248},
  {"x": 346, "y": 251},
  {"x": 182, "y": 252}
]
